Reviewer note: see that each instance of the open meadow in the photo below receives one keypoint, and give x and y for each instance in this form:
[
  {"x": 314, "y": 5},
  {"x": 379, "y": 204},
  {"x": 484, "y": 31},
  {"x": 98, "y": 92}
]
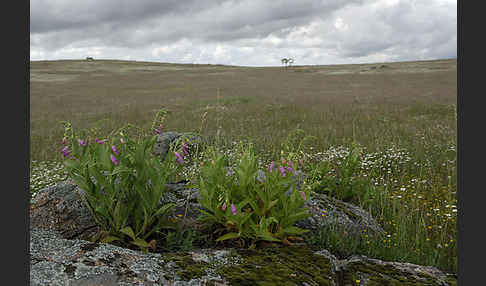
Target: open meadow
[{"x": 401, "y": 117}]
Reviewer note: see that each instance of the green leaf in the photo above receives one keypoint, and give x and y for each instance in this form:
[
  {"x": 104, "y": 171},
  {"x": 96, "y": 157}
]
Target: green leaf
[
  {"x": 293, "y": 230},
  {"x": 243, "y": 219},
  {"x": 128, "y": 231},
  {"x": 242, "y": 204},
  {"x": 298, "y": 216},
  {"x": 120, "y": 169},
  {"x": 271, "y": 205},
  {"x": 117, "y": 215},
  {"x": 230, "y": 235},
  {"x": 164, "y": 209},
  {"x": 267, "y": 236},
  {"x": 110, "y": 238},
  {"x": 140, "y": 243}
]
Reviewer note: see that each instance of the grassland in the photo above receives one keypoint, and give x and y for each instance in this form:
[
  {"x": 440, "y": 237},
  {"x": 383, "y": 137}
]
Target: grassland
[{"x": 402, "y": 114}]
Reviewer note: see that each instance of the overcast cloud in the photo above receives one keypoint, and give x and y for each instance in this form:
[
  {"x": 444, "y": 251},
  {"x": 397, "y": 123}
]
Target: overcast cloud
[{"x": 246, "y": 32}]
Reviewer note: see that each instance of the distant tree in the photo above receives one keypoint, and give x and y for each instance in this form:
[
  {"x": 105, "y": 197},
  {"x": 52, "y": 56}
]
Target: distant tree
[{"x": 285, "y": 61}]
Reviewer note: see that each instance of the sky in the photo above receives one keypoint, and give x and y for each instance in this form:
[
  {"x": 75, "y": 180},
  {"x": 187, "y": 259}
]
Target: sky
[{"x": 246, "y": 32}]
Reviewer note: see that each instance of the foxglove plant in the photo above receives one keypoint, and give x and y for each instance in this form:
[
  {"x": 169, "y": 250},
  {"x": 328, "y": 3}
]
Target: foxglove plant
[
  {"x": 261, "y": 206},
  {"x": 122, "y": 185}
]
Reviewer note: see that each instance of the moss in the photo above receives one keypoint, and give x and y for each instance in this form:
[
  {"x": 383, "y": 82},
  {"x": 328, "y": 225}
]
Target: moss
[
  {"x": 190, "y": 269},
  {"x": 279, "y": 266},
  {"x": 386, "y": 275}
]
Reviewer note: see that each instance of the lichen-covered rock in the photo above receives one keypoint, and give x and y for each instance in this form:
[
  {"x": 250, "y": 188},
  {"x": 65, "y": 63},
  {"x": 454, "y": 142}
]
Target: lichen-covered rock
[
  {"x": 58, "y": 261},
  {"x": 60, "y": 208},
  {"x": 374, "y": 272},
  {"x": 328, "y": 211}
]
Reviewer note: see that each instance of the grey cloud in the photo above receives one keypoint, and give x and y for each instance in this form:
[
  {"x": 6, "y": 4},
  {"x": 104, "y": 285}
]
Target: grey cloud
[
  {"x": 123, "y": 23},
  {"x": 247, "y": 32},
  {"x": 51, "y": 15},
  {"x": 405, "y": 28}
]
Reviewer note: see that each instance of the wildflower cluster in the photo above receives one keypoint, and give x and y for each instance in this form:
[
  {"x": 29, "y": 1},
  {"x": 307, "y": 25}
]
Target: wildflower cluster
[
  {"x": 339, "y": 176},
  {"x": 249, "y": 204},
  {"x": 121, "y": 182}
]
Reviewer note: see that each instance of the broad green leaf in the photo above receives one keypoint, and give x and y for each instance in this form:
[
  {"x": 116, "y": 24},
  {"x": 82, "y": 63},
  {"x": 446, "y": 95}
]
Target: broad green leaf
[
  {"x": 244, "y": 219},
  {"x": 140, "y": 243},
  {"x": 267, "y": 236},
  {"x": 110, "y": 238},
  {"x": 298, "y": 216},
  {"x": 243, "y": 203},
  {"x": 230, "y": 235},
  {"x": 164, "y": 209},
  {"x": 128, "y": 231},
  {"x": 271, "y": 205},
  {"x": 293, "y": 230}
]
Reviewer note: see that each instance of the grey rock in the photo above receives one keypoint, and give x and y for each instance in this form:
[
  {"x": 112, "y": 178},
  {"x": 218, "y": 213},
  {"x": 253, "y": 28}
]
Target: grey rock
[
  {"x": 60, "y": 208},
  {"x": 59, "y": 261},
  {"x": 373, "y": 271},
  {"x": 328, "y": 211}
]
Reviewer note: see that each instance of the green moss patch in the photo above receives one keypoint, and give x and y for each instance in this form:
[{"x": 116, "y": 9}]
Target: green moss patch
[
  {"x": 280, "y": 266},
  {"x": 190, "y": 269}
]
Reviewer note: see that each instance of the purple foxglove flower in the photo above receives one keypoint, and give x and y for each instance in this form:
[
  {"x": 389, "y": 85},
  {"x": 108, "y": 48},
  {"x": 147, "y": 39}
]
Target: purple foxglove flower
[
  {"x": 65, "y": 151},
  {"x": 158, "y": 130},
  {"x": 271, "y": 167},
  {"x": 291, "y": 164},
  {"x": 113, "y": 159},
  {"x": 282, "y": 171},
  {"x": 290, "y": 170},
  {"x": 114, "y": 149},
  {"x": 82, "y": 142},
  {"x": 184, "y": 149},
  {"x": 64, "y": 140},
  {"x": 223, "y": 207},
  {"x": 101, "y": 141},
  {"x": 233, "y": 209},
  {"x": 179, "y": 157},
  {"x": 303, "y": 195}
]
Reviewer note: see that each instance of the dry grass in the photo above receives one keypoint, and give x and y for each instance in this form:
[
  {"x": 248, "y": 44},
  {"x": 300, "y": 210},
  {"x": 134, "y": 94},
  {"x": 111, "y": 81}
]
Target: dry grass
[{"x": 369, "y": 103}]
